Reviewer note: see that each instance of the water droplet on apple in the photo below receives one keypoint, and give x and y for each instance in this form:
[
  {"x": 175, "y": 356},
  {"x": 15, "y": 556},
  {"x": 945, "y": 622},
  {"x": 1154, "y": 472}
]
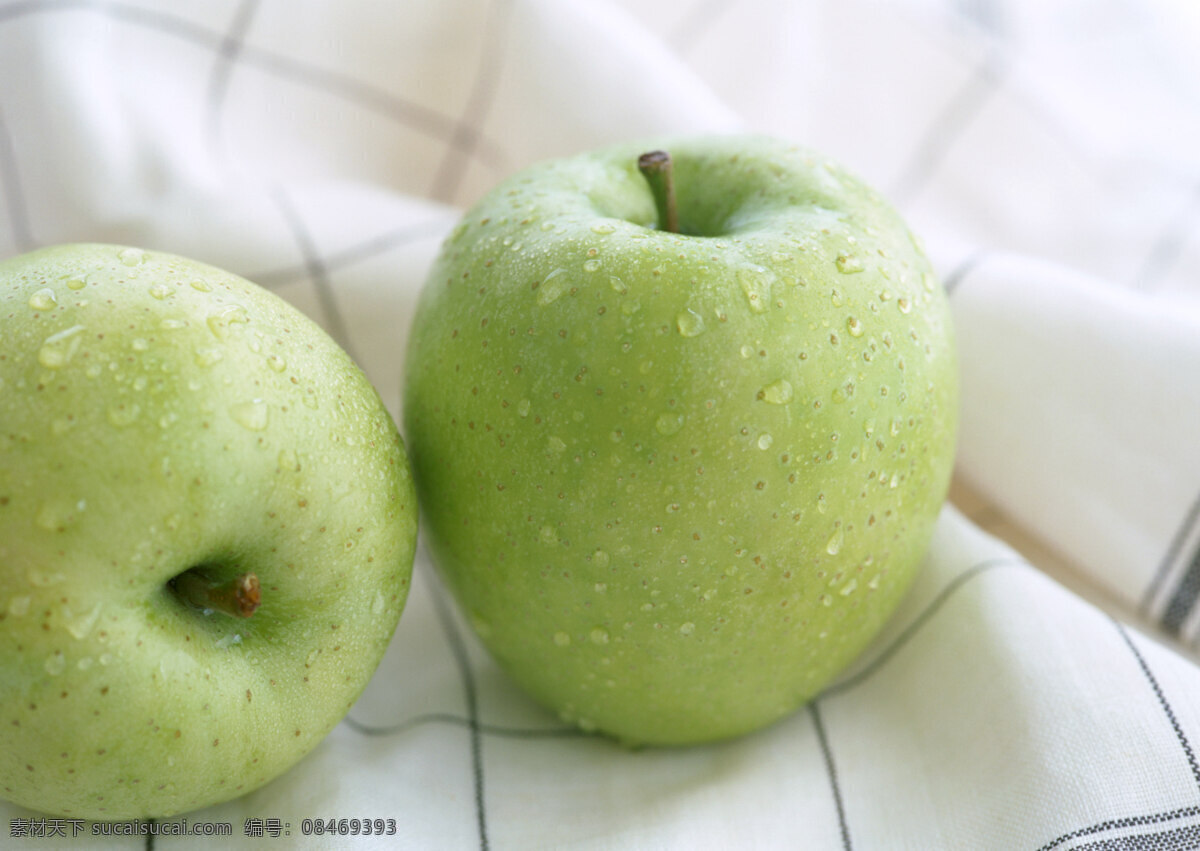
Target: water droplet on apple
[
  {"x": 105, "y": 659},
  {"x": 81, "y": 626},
  {"x": 161, "y": 291},
  {"x": 56, "y": 664},
  {"x": 756, "y": 285},
  {"x": 834, "y": 545},
  {"x": 58, "y": 349},
  {"x": 555, "y": 444},
  {"x": 139, "y": 344},
  {"x": 122, "y": 414},
  {"x": 747, "y": 352},
  {"x": 43, "y": 299},
  {"x": 617, "y": 284},
  {"x": 904, "y": 305},
  {"x": 252, "y": 415},
  {"x": 288, "y": 461},
  {"x": 276, "y": 363},
  {"x": 591, "y": 265},
  {"x": 854, "y": 326},
  {"x": 599, "y": 635},
  {"x": 550, "y": 289},
  {"x": 765, "y": 440},
  {"x": 221, "y": 322},
  {"x": 562, "y": 639},
  {"x": 76, "y": 283},
  {"x": 19, "y": 606},
  {"x": 690, "y": 323},
  {"x": 668, "y": 423},
  {"x": 209, "y": 355},
  {"x": 600, "y": 558},
  {"x": 227, "y": 641},
  {"x": 603, "y": 228},
  {"x": 849, "y": 588},
  {"x": 687, "y": 628},
  {"x": 201, "y": 286},
  {"x": 868, "y": 427},
  {"x": 848, "y": 264},
  {"x": 523, "y": 408},
  {"x": 546, "y": 533},
  {"x": 131, "y": 256},
  {"x": 56, "y": 515},
  {"x": 778, "y": 392}
]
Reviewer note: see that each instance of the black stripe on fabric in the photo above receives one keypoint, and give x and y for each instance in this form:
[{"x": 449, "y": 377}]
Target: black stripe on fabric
[
  {"x": 381, "y": 101},
  {"x": 360, "y": 252},
  {"x": 1171, "y": 556},
  {"x": 831, "y": 772},
  {"x": 471, "y": 697},
  {"x": 1162, "y": 701},
  {"x": 1122, "y": 823},
  {"x": 458, "y": 721},
  {"x": 14, "y": 196},
  {"x": 1187, "y": 591},
  {"x": 926, "y": 614},
  {"x": 218, "y": 84},
  {"x": 1176, "y": 839},
  {"x": 948, "y": 125},
  {"x": 318, "y": 273},
  {"x": 469, "y": 128}
]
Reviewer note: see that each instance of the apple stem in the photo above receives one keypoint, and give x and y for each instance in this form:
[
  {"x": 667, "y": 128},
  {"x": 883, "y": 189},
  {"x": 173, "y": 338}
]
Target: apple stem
[
  {"x": 657, "y": 168},
  {"x": 238, "y": 597}
]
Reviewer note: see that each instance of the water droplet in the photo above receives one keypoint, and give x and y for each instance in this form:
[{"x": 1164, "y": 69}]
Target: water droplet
[
  {"x": 765, "y": 440},
  {"x": 848, "y": 264},
  {"x": 81, "y": 626},
  {"x": 58, "y": 349},
  {"x": 928, "y": 281},
  {"x": 56, "y": 664},
  {"x": 227, "y": 641},
  {"x": 555, "y": 444},
  {"x": 43, "y": 300},
  {"x": 777, "y": 392},
  {"x": 276, "y": 363},
  {"x": 591, "y": 265},
  {"x": 551, "y": 288},
  {"x": 822, "y": 506},
  {"x": 76, "y": 283},
  {"x": 826, "y": 600},
  {"x": 690, "y": 323},
  {"x": 209, "y": 355},
  {"x": 600, "y": 558},
  {"x": 161, "y": 291},
  {"x": 599, "y": 635},
  {"x": 895, "y": 426},
  {"x": 668, "y": 423},
  {"x": 835, "y": 297},
  {"x": 222, "y": 321},
  {"x": 868, "y": 427},
  {"x": 904, "y": 305},
  {"x": 252, "y": 415},
  {"x": 546, "y": 533},
  {"x": 603, "y": 228},
  {"x": 523, "y": 408},
  {"x": 19, "y": 606},
  {"x": 288, "y": 460},
  {"x": 687, "y": 628},
  {"x": 122, "y": 414},
  {"x": 139, "y": 344},
  {"x": 131, "y": 256},
  {"x": 756, "y": 284},
  {"x": 747, "y": 351},
  {"x": 201, "y": 286},
  {"x": 854, "y": 326},
  {"x": 617, "y": 284},
  {"x": 849, "y": 588},
  {"x": 834, "y": 545},
  {"x": 562, "y": 639}
]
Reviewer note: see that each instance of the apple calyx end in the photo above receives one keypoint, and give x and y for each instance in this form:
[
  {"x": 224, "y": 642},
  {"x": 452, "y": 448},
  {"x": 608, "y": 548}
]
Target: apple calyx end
[
  {"x": 238, "y": 597},
  {"x": 659, "y": 171}
]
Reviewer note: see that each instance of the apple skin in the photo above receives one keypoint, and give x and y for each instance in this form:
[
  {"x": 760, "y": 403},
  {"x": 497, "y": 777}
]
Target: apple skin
[
  {"x": 678, "y": 481},
  {"x": 158, "y": 414}
]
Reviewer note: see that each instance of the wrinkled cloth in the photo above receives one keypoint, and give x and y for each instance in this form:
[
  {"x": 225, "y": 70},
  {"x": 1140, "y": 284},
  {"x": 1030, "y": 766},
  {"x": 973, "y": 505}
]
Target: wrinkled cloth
[{"x": 1049, "y": 156}]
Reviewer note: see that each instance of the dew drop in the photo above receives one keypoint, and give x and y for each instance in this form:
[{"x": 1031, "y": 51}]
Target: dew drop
[
  {"x": 252, "y": 415},
  {"x": 756, "y": 284},
  {"x": 591, "y": 265},
  {"x": 122, "y": 414},
  {"x": 617, "y": 284},
  {"x": 600, "y": 558},
  {"x": 56, "y": 664},
  {"x": 19, "y": 606},
  {"x": 201, "y": 286},
  {"x": 603, "y": 228},
  {"x": 209, "y": 355},
  {"x": 222, "y": 321},
  {"x": 58, "y": 349},
  {"x": 551, "y": 288},
  {"x": 81, "y": 626},
  {"x": 765, "y": 440},
  {"x": 599, "y": 635},
  {"x": 826, "y": 600},
  {"x": 160, "y": 291},
  {"x": 131, "y": 256},
  {"x": 854, "y": 326},
  {"x": 523, "y": 408},
  {"x": 76, "y": 283},
  {"x": 904, "y": 305},
  {"x": 848, "y": 264},
  {"x": 849, "y": 588},
  {"x": 276, "y": 363},
  {"x": 139, "y": 344},
  {"x": 562, "y": 639},
  {"x": 668, "y": 423},
  {"x": 777, "y": 392},
  {"x": 687, "y": 628},
  {"x": 43, "y": 299},
  {"x": 555, "y": 444},
  {"x": 834, "y": 545},
  {"x": 690, "y": 323}
]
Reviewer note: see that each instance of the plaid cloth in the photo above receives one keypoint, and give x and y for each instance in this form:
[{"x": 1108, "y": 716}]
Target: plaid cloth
[{"x": 1038, "y": 696}]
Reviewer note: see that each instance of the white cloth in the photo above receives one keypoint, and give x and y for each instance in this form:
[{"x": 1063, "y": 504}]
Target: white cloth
[{"x": 1048, "y": 153}]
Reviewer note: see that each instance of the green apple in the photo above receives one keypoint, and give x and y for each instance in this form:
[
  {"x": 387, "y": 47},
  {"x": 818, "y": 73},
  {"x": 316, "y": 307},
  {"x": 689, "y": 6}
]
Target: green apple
[
  {"x": 178, "y": 445},
  {"x": 678, "y": 480}
]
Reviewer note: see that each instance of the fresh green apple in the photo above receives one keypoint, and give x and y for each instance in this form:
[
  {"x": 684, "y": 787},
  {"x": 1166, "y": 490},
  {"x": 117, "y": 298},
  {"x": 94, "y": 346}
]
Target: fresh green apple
[
  {"x": 678, "y": 480},
  {"x": 177, "y": 445}
]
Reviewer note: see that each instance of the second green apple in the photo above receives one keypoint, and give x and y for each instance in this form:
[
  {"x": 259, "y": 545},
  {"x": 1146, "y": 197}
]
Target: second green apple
[{"x": 679, "y": 480}]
